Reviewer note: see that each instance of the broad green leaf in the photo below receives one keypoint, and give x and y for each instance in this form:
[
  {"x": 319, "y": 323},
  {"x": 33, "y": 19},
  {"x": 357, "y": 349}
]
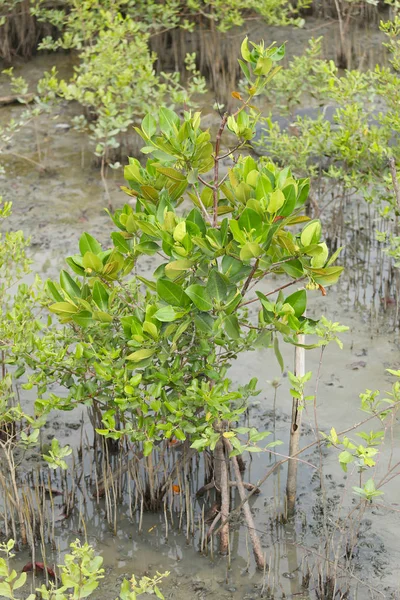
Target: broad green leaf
[
  {"x": 231, "y": 326},
  {"x": 69, "y": 286},
  {"x": 166, "y": 314},
  {"x": 93, "y": 262},
  {"x": 216, "y": 286},
  {"x": 319, "y": 260},
  {"x": 298, "y": 301},
  {"x": 100, "y": 295},
  {"x": 75, "y": 266},
  {"x": 141, "y": 354},
  {"x": 250, "y": 250},
  {"x": 237, "y": 233},
  {"x": 294, "y": 268},
  {"x": 196, "y": 217},
  {"x": 84, "y": 318},
  {"x": 147, "y": 448},
  {"x": 120, "y": 242},
  {"x": 63, "y": 308},
  {"x": 53, "y": 291},
  {"x": 88, "y": 243},
  {"x": 263, "y": 187},
  {"x": 311, "y": 233},
  {"x": 102, "y": 316},
  {"x": 149, "y": 125},
  {"x": 169, "y": 121},
  {"x": 199, "y": 296},
  {"x": 176, "y": 267},
  {"x": 327, "y": 276},
  {"x": 171, "y": 173},
  {"x": 276, "y": 201},
  {"x": 204, "y": 322},
  {"x": 250, "y": 220},
  {"x": 172, "y": 293}
]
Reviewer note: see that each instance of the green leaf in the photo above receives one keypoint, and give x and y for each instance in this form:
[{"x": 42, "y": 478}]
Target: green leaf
[
  {"x": 100, "y": 296},
  {"x": 204, "y": 322},
  {"x": 149, "y": 125},
  {"x": 120, "y": 242},
  {"x": 250, "y": 220},
  {"x": 276, "y": 201},
  {"x": 231, "y": 326},
  {"x": 63, "y": 308},
  {"x": 244, "y": 50},
  {"x": 93, "y": 262},
  {"x": 176, "y": 267},
  {"x": 278, "y": 354},
  {"x": 237, "y": 233},
  {"x": 250, "y": 250},
  {"x": 311, "y": 233},
  {"x": 102, "y": 316},
  {"x": 88, "y": 243},
  {"x": 294, "y": 268},
  {"x": 172, "y": 293},
  {"x": 195, "y": 217},
  {"x": 199, "y": 296},
  {"x": 141, "y": 354},
  {"x": 77, "y": 268},
  {"x": 169, "y": 121},
  {"x": 345, "y": 458},
  {"x": 53, "y": 291},
  {"x": 216, "y": 286},
  {"x": 327, "y": 276},
  {"x": 147, "y": 448},
  {"x": 83, "y": 318},
  {"x": 69, "y": 286},
  {"x": 298, "y": 301},
  {"x": 166, "y": 314},
  {"x": 171, "y": 173}
]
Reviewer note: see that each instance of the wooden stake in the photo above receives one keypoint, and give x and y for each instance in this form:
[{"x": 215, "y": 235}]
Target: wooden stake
[{"x": 295, "y": 430}]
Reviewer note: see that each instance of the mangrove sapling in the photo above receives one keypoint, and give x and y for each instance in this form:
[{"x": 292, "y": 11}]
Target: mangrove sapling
[
  {"x": 153, "y": 351},
  {"x": 80, "y": 575},
  {"x": 42, "y": 101}
]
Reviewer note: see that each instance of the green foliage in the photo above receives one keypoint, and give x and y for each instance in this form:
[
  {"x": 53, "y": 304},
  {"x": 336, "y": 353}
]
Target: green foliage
[
  {"x": 364, "y": 455},
  {"x": 81, "y": 573},
  {"x": 153, "y": 351},
  {"x": 346, "y": 153}
]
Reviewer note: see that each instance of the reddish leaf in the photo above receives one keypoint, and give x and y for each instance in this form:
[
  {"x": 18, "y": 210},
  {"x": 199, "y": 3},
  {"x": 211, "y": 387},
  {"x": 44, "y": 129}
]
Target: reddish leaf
[{"x": 39, "y": 566}]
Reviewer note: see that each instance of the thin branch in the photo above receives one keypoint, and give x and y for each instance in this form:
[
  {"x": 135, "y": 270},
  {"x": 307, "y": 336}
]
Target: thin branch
[
  {"x": 282, "y": 287},
  {"x": 209, "y": 185},
  {"x": 250, "y": 277},
  {"x": 216, "y": 167},
  {"x": 222, "y": 156}
]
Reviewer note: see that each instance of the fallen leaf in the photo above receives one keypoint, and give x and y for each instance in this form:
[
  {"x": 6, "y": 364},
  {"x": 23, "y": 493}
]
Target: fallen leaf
[{"x": 39, "y": 566}]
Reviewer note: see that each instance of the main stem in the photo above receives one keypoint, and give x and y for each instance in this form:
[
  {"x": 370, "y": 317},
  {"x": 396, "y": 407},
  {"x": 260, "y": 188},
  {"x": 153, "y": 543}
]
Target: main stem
[
  {"x": 223, "y": 484},
  {"x": 255, "y": 540}
]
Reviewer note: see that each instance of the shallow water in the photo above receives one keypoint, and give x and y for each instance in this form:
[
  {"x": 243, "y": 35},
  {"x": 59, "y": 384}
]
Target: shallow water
[{"x": 54, "y": 207}]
